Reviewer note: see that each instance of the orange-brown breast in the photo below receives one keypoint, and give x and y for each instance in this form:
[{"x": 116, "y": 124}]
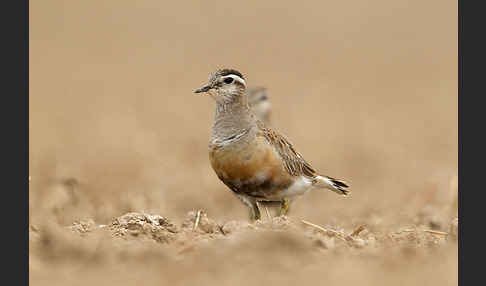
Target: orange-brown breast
[{"x": 254, "y": 168}]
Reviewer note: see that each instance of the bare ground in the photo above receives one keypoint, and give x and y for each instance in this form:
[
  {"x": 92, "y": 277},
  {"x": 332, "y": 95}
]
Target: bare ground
[
  {"x": 365, "y": 90},
  {"x": 150, "y": 249}
]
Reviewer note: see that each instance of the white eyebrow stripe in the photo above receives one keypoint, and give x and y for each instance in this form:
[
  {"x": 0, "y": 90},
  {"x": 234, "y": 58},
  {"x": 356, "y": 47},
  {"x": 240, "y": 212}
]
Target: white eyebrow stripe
[{"x": 235, "y": 77}]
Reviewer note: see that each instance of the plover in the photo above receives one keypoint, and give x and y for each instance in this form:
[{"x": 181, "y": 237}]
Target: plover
[{"x": 254, "y": 161}]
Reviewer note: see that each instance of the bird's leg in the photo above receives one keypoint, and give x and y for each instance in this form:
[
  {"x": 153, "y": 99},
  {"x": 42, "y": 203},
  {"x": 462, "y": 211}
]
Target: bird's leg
[
  {"x": 252, "y": 205},
  {"x": 255, "y": 212},
  {"x": 284, "y": 206}
]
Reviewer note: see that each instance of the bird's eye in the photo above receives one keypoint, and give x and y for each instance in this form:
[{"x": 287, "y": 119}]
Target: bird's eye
[{"x": 228, "y": 80}]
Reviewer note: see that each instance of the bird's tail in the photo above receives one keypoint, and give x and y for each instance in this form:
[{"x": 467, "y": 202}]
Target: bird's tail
[{"x": 338, "y": 186}]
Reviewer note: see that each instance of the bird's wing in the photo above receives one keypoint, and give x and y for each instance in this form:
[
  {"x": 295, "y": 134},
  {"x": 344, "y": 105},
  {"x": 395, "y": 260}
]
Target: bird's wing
[{"x": 293, "y": 162}]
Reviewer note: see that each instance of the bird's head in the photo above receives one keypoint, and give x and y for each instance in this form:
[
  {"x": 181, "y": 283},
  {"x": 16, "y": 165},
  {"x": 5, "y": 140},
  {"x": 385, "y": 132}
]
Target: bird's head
[{"x": 224, "y": 86}]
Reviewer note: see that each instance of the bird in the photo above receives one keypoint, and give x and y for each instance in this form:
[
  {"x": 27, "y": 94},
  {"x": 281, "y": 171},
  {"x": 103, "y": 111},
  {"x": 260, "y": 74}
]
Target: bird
[
  {"x": 259, "y": 102},
  {"x": 257, "y": 163}
]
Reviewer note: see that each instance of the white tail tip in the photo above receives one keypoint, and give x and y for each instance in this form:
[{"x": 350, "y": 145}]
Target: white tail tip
[{"x": 338, "y": 186}]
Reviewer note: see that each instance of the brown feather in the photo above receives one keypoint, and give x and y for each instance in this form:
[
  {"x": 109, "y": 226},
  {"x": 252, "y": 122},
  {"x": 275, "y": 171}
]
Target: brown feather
[
  {"x": 294, "y": 163},
  {"x": 254, "y": 169}
]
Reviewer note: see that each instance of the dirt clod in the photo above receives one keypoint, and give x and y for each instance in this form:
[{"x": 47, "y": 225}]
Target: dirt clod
[{"x": 153, "y": 227}]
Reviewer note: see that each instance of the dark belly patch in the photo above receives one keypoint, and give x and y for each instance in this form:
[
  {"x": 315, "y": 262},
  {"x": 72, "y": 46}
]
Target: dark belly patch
[{"x": 254, "y": 188}]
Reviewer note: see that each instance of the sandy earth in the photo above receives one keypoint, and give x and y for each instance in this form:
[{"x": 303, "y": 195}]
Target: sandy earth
[
  {"x": 153, "y": 250},
  {"x": 118, "y": 159}
]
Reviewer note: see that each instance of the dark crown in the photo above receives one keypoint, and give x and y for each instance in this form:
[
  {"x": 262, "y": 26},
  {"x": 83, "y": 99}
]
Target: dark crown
[{"x": 224, "y": 72}]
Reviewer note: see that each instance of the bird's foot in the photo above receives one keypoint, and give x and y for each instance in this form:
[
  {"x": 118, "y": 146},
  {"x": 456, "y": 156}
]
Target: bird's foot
[{"x": 284, "y": 207}]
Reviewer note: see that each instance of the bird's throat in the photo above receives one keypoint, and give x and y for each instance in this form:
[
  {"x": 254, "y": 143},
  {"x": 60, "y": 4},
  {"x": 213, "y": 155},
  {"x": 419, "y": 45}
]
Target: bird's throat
[{"x": 231, "y": 119}]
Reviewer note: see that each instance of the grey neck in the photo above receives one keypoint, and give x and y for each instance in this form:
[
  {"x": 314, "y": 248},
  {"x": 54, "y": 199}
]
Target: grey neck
[{"x": 232, "y": 120}]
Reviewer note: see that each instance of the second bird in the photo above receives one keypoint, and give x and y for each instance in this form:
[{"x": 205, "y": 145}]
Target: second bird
[
  {"x": 254, "y": 161},
  {"x": 259, "y": 102}
]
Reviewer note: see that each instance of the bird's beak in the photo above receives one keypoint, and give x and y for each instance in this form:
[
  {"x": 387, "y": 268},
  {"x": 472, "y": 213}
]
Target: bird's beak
[{"x": 203, "y": 89}]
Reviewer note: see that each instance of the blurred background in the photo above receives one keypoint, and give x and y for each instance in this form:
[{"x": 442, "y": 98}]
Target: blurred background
[{"x": 366, "y": 91}]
